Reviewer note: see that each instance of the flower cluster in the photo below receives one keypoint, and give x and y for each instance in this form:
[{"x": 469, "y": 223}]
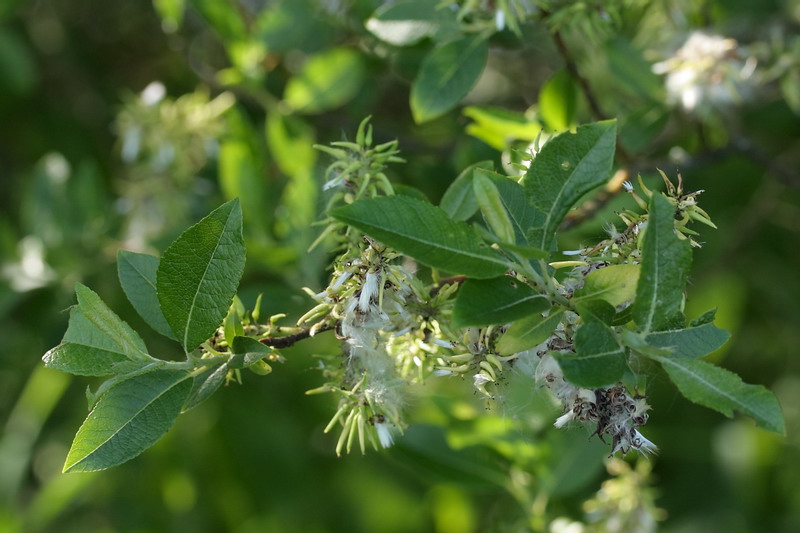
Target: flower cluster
[
  {"x": 708, "y": 71},
  {"x": 612, "y": 410}
]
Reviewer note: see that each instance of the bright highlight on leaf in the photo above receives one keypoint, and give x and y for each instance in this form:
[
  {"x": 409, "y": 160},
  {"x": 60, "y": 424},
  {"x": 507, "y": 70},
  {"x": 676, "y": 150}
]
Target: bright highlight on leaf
[{"x": 129, "y": 418}]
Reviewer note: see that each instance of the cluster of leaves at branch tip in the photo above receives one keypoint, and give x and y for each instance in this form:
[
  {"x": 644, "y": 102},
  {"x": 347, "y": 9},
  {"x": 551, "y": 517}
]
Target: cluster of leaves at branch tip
[{"x": 582, "y": 321}]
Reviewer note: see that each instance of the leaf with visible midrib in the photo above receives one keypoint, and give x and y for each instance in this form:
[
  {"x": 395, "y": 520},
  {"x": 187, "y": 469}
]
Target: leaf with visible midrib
[
  {"x": 137, "y": 275},
  {"x": 424, "y": 232},
  {"x": 199, "y": 273},
  {"x": 495, "y": 301},
  {"x": 665, "y": 265},
  {"x": 599, "y": 359},
  {"x": 723, "y": 391},
  {"x": 528, "y": 332},
  {"x": 129, "y": 418},
  {"x": 447, "y": 74},
  {"x": 96, "y": 339},
  {"x": 690, "y": 342},
  {"x": 568, "y": 166},
  {"x": 616, "y": 284}
]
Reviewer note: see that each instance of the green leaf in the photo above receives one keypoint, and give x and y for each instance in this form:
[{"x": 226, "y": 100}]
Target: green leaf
[
  {"x": 137, "y": 275},
  {"x": 498, "y": 127},
  {"x": 459, "y": 200},
  {"x": 598, "y": 309},
  {"x": 129, "y": 418},
  {"x": 495, "y": 301},
  {"x": 328, "y": 80},
  {"x": 96, "y": 339},
  {"x": 199, "y": 273},
  {"x": 723, "y": 391},
  {"x": 446, "y": 75},
  {"x": 492, "y": 207},
  {"x": 706, "y": 318},
  {"x": 406, "y": 22},
  {"x": 665, "y": 265},
  {"x": 247, "y": 352},
  {"x": 568, "y": 166},
  {"x": 528, "y": 252},
  {"x": 204, "y": 385},
  {"x": 558, "y": 100},
  {"x": 291, "y": 141},
  {"x": 528, "y": 332},
  {"x": 424, "y": 232},
  {"x": 690, "y": 342},
  {"x": 599, "y": 359},
  {"x": 522, "y": 214},
  {"x": 616, "y": 284}
]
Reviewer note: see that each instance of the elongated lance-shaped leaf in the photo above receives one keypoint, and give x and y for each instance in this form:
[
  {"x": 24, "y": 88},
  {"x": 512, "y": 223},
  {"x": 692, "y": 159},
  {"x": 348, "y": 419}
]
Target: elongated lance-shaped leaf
[
  {"x": 137, "y": 275},
  {"x": 520, "y": 211},
  {"x": 129, "y": 418},
  {"x": 690, "y": 342},
  {"x": 599, "y": 359},
  {"x": 495, "y": 301},
  {"x": 665, "y": 265},
  {"x": 723, "y": 391},
  {"x": 199, "y": 273},
  {"x": 491, "y": 204},
  {"x": 424, "y": 232},
  {"x": 459, "y": 200},
  {"x": 568, "y": 166},
  {"x": 446, "y": 75},
  {"x": 528, "y": 332},
  {"x": 96, "y": 339}
]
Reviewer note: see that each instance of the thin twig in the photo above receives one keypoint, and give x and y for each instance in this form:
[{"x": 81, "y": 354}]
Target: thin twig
[
  {"x": 614, "y": 186},
  {"x": 289, "y": 340}
]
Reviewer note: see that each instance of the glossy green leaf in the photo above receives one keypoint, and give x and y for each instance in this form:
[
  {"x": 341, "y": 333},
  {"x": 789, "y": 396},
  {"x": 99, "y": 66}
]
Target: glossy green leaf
[
  {"x": 558, "y": 101},
  {"x": 424, "y": 232},
  {"x": 495, "y": 301},
  {"x": 204, "y": 385},
  {"x": 616, "y": 284},
  {"x": 129, "y": 418},
  {"x": 598, "y": 309},
  {"x": 492, "y": 207},
  {"x": 724, "y": 391},
  {"x": 528, "y": 332},
  {"x": 96, "y": 339},
  {"x": 690, "y": 342},
  {"x": 447, "y": 74},
  {"x": 459, "y": 200},
  {"x": 568, "y": 166},
  {"x": 199, "y": 273},
  {"x": 328, "y": 80},
  {"x": 406, "y": 22},
  {"x": 598, "y": 360},
  {"x": 137, "y": 275},
  {"x": 665, "y": 265}
]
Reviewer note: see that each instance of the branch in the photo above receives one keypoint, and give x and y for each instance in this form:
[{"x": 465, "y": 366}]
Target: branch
[
  {"x": 289, "y": 340},
  {"x": 614, "y": 186}
]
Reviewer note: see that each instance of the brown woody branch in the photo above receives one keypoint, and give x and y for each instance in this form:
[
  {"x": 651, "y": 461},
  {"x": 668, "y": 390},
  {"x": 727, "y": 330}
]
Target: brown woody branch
[{"x": 289, "y": 340}]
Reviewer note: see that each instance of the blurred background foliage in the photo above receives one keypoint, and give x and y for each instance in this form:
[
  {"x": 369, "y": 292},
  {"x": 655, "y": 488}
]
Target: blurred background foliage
[{"x": 121, "y": 123}]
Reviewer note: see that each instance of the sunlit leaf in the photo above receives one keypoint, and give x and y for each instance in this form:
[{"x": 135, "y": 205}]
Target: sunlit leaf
[
  {"x": 129, "y": 418},
  {"x": 137, "y": 275}
]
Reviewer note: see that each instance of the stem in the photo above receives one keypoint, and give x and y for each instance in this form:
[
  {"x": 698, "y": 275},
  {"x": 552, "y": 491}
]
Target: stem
[{"x": 289, "y": 340}]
